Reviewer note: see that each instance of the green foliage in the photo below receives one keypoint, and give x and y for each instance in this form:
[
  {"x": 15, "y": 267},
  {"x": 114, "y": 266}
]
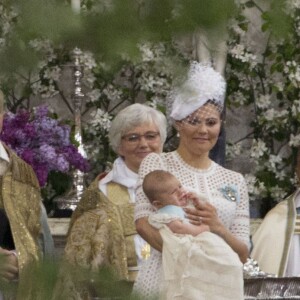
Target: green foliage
[
  {"x": 55, "y": 279},
  {"x": 109, "y": 32},
  {"x": 268, "y": 83}
]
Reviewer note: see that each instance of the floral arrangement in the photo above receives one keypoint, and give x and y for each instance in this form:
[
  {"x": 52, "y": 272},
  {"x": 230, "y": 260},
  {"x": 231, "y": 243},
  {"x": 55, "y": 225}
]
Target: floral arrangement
[{"x": 42, "y": 142}]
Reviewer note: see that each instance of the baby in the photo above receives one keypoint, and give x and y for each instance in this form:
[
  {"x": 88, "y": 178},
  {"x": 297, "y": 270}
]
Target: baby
[
  {"x": 167, "y": 195},
  {"x": 196, "y": 263}
]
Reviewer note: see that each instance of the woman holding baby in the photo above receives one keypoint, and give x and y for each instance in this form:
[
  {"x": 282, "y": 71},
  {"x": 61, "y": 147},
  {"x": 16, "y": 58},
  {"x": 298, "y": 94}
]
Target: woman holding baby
[{"x": 197, "y": 117}]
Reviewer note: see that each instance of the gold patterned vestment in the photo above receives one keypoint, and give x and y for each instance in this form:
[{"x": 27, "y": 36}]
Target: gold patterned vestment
[
  {"x": 20, "y": 198},
  {"x": 102, "y": 231}
]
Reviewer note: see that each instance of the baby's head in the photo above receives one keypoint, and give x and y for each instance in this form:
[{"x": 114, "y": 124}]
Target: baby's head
[{"x": 162, "y": 188}]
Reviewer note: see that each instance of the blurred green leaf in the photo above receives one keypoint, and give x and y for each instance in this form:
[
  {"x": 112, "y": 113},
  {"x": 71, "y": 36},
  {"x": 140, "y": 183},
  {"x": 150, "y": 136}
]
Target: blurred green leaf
[{"x": 109, "y": 34}]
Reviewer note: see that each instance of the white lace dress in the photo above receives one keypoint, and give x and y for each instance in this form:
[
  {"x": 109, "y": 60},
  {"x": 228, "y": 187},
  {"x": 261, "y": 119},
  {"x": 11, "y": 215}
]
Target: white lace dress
[{"x": 223, "y": 188}]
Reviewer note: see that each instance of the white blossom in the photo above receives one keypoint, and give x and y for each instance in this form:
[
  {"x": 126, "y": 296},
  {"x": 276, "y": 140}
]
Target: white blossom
[
  {"x": 258, "y": 148},
  {"x": 88, "y": 60},
  {"x": 94, "y": 95},
  {"x": 273, "y": 162},
  {"x": 239, "y": 52},
  {"x": 280, "y": 174},
  {"x": 294, "y": 140},
  {"x": 112, "y": 93},
  {"x": 256, "y": 188},
  {"x": 45, "y": 47},
  {"x": 233, "y": 150},
  {"x": 251, "y": 181},
  {"x": 277, "y": 193},
  {"x": 53, "y": 73},
  {"x": 146, "y": 52},
  {"x": 272, "y": 114},
  {"x": 279, "y": 86},
  {"x": 292, "y": 5},
  {"x": 295, "y": 108},
  {"x": 263, "y": 101},
  {"x": 238, "y": 98},
  {"x": 101, "y": 119}
]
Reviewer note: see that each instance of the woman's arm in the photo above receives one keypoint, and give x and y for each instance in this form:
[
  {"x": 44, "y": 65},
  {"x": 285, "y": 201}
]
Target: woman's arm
[{"x": 149, "y": 233}]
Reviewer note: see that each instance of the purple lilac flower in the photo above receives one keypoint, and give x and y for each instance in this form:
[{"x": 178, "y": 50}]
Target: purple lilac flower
[
  {"x": 62, "y": 164},
  {"x": 42, "y": 142}
]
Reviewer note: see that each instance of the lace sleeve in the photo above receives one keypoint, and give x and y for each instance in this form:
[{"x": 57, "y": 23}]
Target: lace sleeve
[
  {"x": 152, "y": 162},
  {"x": 241, "y": 224}
]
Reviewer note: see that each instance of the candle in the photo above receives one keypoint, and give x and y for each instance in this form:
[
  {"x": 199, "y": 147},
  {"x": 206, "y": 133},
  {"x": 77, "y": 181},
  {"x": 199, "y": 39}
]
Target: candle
[{"x": 75, "y": 6}]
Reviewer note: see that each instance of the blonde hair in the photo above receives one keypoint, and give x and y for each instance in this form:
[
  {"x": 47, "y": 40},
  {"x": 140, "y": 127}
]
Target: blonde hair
[{"x": 153, "y": 183}]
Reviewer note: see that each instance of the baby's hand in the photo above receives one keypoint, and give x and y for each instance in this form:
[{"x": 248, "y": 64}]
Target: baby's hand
[{"x": 193, "y": 198}]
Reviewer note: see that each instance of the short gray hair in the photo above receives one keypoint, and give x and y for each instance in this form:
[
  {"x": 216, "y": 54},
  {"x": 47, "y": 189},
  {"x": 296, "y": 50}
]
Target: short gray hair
[{"x": 132, "y": 116}]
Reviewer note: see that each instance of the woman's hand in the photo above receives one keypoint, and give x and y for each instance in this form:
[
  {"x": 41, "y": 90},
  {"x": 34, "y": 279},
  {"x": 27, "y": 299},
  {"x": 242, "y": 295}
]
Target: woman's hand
[
  {"x": 8, "y": 265},
  {"x": 203, "y": 213}
]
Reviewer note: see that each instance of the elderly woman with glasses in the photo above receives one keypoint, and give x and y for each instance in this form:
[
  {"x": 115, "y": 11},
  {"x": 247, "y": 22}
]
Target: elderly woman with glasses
[
  {"x": 196, "y": 115},
  {"x": 102, "y": 230}
]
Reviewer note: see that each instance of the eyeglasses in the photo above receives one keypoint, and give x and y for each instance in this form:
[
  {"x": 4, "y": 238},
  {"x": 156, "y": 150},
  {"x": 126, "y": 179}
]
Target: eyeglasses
[{"x": 134, "y": 138}]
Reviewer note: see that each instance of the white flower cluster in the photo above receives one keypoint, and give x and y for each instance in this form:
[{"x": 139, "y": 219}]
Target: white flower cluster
[
  {"x": 7, "y": 14},
  {"x": 44, "y": 47},
  {"x": 296, "y": 108},
  {"x": 274, "y": 163},
  {"x": 256, "y": 188},
  {"x": 297, "y": 26},
  {"x": 44, "y": 82},
  {"x": 239, "y": 52},
  {"x": 273, "y": 118},
  {"x": 258, "y": 148},
  {"x": 292, "y": 5},
  {"x": 233, "y": 150},
  {"x": 263, "y": 101},
  {"x": 292, "y": 69},
  {"x": 150, "y": 82},
  {"x": 93, "y": 95},
  {"x": 238, "y": 98},
  {"x": 101, "y": 120},
  {"x": 112, "y": 93},
  {"x": 278, "y": 193},
  {"x": 294, "y": 140}
]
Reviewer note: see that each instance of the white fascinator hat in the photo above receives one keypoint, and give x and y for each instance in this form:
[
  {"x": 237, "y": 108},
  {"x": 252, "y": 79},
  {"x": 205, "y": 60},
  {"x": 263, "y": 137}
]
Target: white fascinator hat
[{"x": 203, "y": 84}]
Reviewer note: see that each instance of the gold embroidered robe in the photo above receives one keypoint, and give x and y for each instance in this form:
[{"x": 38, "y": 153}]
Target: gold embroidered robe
[
  {"x": 101, "y": 232},
  {"x": 20, "y": 198}
]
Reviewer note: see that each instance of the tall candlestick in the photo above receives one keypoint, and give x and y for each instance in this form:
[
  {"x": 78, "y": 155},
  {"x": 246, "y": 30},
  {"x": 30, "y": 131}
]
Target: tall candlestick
[{"x": 72, "y": 197}]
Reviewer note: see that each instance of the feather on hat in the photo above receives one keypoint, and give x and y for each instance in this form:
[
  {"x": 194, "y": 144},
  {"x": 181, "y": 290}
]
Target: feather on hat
[{"x": 203, "y": 84}]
